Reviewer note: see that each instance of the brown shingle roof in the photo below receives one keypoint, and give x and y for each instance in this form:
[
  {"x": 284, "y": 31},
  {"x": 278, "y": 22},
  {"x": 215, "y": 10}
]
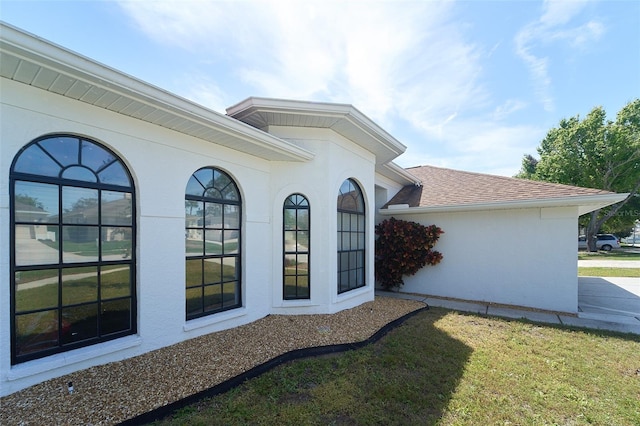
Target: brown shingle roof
[{"x": 447, "y": 187}]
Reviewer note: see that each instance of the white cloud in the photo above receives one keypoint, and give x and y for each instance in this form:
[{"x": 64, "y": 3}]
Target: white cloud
[
  {"x": 553, "y": 25},
  {"x": 398, "y": 62}
]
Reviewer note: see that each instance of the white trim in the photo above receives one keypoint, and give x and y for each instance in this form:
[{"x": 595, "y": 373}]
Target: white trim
[{"x": 585, "y": 203}]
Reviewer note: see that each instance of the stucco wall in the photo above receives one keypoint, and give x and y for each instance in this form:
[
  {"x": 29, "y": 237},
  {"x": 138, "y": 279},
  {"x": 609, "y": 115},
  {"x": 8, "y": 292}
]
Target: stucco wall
[
  {"x": 524, "y": 257},
  {"x": 161, "y": 162}
]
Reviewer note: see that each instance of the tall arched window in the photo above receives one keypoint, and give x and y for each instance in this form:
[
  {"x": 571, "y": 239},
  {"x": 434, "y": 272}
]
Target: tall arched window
[
  {"x": 73, "y": 236},
  {"x": 351, "y": 237},
  {"x": 213, "y": 219},
  {"x": 296, "y": 247}
]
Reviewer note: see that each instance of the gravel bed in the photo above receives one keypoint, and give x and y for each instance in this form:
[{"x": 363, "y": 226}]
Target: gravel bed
[{"x": 114, "y": 392}]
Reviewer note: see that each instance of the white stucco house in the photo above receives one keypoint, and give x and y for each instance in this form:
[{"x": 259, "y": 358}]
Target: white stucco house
[{"x": 132, "y": 219}]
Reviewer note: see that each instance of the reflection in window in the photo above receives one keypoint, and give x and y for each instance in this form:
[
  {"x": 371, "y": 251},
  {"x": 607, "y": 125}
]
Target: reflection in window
[
  {"x": 72, "y": 215},
  {"x": 212, "y": 243},
  {"x": 296, "y": 248},
  {"x": 351, "y": 237}
]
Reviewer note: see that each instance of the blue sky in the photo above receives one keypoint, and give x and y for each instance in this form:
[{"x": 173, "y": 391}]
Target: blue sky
[{"x": 470, "y": 85}]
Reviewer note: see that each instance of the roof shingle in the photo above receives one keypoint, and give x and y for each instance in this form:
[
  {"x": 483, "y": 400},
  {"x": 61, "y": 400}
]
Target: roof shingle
[{"x": 446, "y": 187}]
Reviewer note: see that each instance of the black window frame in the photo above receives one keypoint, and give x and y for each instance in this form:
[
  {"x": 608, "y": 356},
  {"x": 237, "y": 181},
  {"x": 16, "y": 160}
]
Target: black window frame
[
  {"x": 204, "y": 257},
  {"x": 292, "y": 203},
  {"x": 65, "y": 330},
  {"x": 351, "y": 261}
]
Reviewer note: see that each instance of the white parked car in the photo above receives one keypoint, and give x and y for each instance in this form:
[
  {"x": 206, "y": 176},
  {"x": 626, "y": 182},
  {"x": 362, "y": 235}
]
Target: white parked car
[{"x": 605, "y": 242}]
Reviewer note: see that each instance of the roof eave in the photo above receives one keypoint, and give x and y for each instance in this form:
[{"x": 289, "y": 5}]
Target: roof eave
[
  {"x": 397, "y": 174},
  {"x": 33, "y": 50},
  {"x": 585, "y": 204},
  {"x": 344, "y": 119}
]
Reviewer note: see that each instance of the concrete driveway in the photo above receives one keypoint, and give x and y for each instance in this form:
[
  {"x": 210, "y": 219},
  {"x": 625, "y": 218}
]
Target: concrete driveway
[{"x": 609, "y": 299}]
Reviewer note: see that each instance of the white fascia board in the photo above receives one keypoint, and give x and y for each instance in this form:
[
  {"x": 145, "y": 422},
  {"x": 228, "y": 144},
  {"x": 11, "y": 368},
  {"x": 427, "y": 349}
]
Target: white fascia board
[
  {"x": 51, "y": 56},
  {"x": 585, "y": 204},
  {"x": 397, "y": 174},
  {"x": 345, "y": 117}
]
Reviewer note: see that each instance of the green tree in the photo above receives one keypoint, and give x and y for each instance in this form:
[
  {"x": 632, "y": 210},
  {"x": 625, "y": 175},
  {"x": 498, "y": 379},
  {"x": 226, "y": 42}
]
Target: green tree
[{"x": 594, "y": 153}]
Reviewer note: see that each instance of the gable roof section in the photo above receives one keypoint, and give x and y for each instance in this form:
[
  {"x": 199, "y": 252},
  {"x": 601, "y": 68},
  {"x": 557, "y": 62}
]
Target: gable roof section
[
  {"x": 344, "y": 119},
  {"x": 454, "y": 190},
  {"x": 34, "y": 61}
]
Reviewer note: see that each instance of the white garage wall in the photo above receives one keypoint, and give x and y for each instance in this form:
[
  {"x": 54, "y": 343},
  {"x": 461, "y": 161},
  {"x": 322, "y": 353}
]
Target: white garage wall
[{"x": 524, "y": 257}]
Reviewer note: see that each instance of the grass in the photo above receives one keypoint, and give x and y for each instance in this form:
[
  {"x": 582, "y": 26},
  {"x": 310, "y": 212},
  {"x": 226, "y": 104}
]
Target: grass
[
  {"x": 608, "y": 255},
  {"x": 446, "y": 368},
  {"x": 608, "y": 272}
]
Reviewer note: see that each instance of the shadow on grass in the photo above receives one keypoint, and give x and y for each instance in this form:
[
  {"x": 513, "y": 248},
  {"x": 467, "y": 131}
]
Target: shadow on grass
[{"x": 406, "y": 373}]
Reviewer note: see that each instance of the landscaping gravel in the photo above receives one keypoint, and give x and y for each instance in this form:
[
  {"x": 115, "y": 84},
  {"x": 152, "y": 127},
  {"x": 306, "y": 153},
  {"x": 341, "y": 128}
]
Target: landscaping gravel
[{"x": 114, "y": 392}]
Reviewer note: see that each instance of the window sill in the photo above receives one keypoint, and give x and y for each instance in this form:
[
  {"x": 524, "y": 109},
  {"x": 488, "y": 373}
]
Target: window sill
[
  {"x": 214, "y": 319},
  {"x": 37, "y": 366}
]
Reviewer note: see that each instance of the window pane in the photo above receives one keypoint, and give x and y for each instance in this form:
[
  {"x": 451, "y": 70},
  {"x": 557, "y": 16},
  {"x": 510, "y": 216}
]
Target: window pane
[
  {"x": 212, "y": 271},
  {"x": 290, "y": 290},
  {"x": 194, "y": 301},
  {"x": 116, "y": 243},
  {"x": 115, "y": 174},
  {"x": 36, "y": 289},
  {"x": 354, "y": 222},
  {"x": 213, "y": 215},
  {"x": 205, "y": 176},
  {"x": 36, "y": 332},
  {"x": 36, "y": 202},
  {"x": 79, "y": 244},
  {"x": 194, "y": 272},
  {"x": 213, "y": 242},
  {"x": 194, "y": 242},
  {"x": 79, "y": 173},
  {"x": 194, "y": 187},
  {"x": 346, "y": 241},
  {"x": 116, "y": 316},
  {"x": 290, "y": 240},
  {"x": 231, "y": 216},
  {"x": 230, "y": 296},
  {"x": 290, "y": 261},
  {"x": 289, "y": 219},
  {"x": 64, "y": 149},
  {"x": 79, "y": 323},
  {"x": 230, "y": 268},
  {"x": 361, "y": 240},
  {"x": 36, "y": 244},
  {"x": 193, "y": 213},
  {"x": 230, "y": 242},
  {"x": 302, "y": 265},
  {"x": 117, "y": 208},
  {"x": 79, "y": 285},
  {"x": 303, "y": 241},
  {"x": 95, "y": 157},
  {"x": 34, "y": 160},
  {"x": 79, "y": 205},
  {"x": 115, "y": 281},
  {"x": 303, "y": 219},
  {"x": 303, "y": 287},
  {"x": 212, "y": 297}
]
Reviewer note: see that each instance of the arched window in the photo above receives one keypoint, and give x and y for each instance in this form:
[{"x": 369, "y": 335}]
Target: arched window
[
  {"x": 351, "y": 237},
  {"x": 296, "y": 247},
  {"x": 74, "y": 243},
  {"x": 213, "y": 219}
]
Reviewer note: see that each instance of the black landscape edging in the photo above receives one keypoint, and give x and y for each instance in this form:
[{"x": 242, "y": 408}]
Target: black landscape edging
[{"x": 164, "y": 411}]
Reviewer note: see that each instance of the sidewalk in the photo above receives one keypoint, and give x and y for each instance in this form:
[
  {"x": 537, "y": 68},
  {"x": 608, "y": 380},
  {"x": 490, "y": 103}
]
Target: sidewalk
[{"x": 591, "y": 316}]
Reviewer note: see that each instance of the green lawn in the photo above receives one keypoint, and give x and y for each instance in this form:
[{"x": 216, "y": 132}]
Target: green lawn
[
  {"x": 608, "y": 255},
  {"x": 447, "y": 368},
  {"x": 608, "y": 272}
]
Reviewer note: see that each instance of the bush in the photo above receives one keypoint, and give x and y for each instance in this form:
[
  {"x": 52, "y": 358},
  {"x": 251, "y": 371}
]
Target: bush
[{"x": 403, "y": 248}]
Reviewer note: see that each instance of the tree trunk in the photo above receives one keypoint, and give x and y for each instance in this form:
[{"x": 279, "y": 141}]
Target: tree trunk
[{"x": 592, "y": 230}]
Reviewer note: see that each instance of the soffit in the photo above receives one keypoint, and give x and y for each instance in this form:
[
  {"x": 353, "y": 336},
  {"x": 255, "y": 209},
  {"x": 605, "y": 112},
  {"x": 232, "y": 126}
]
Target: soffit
[
  {"x": 31, "y": 60},
  {"x": 342, "y": 118}
]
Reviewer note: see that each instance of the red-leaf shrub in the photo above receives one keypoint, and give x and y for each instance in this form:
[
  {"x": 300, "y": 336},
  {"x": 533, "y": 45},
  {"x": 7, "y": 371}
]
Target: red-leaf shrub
[{"x": 403, "y": 248}]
